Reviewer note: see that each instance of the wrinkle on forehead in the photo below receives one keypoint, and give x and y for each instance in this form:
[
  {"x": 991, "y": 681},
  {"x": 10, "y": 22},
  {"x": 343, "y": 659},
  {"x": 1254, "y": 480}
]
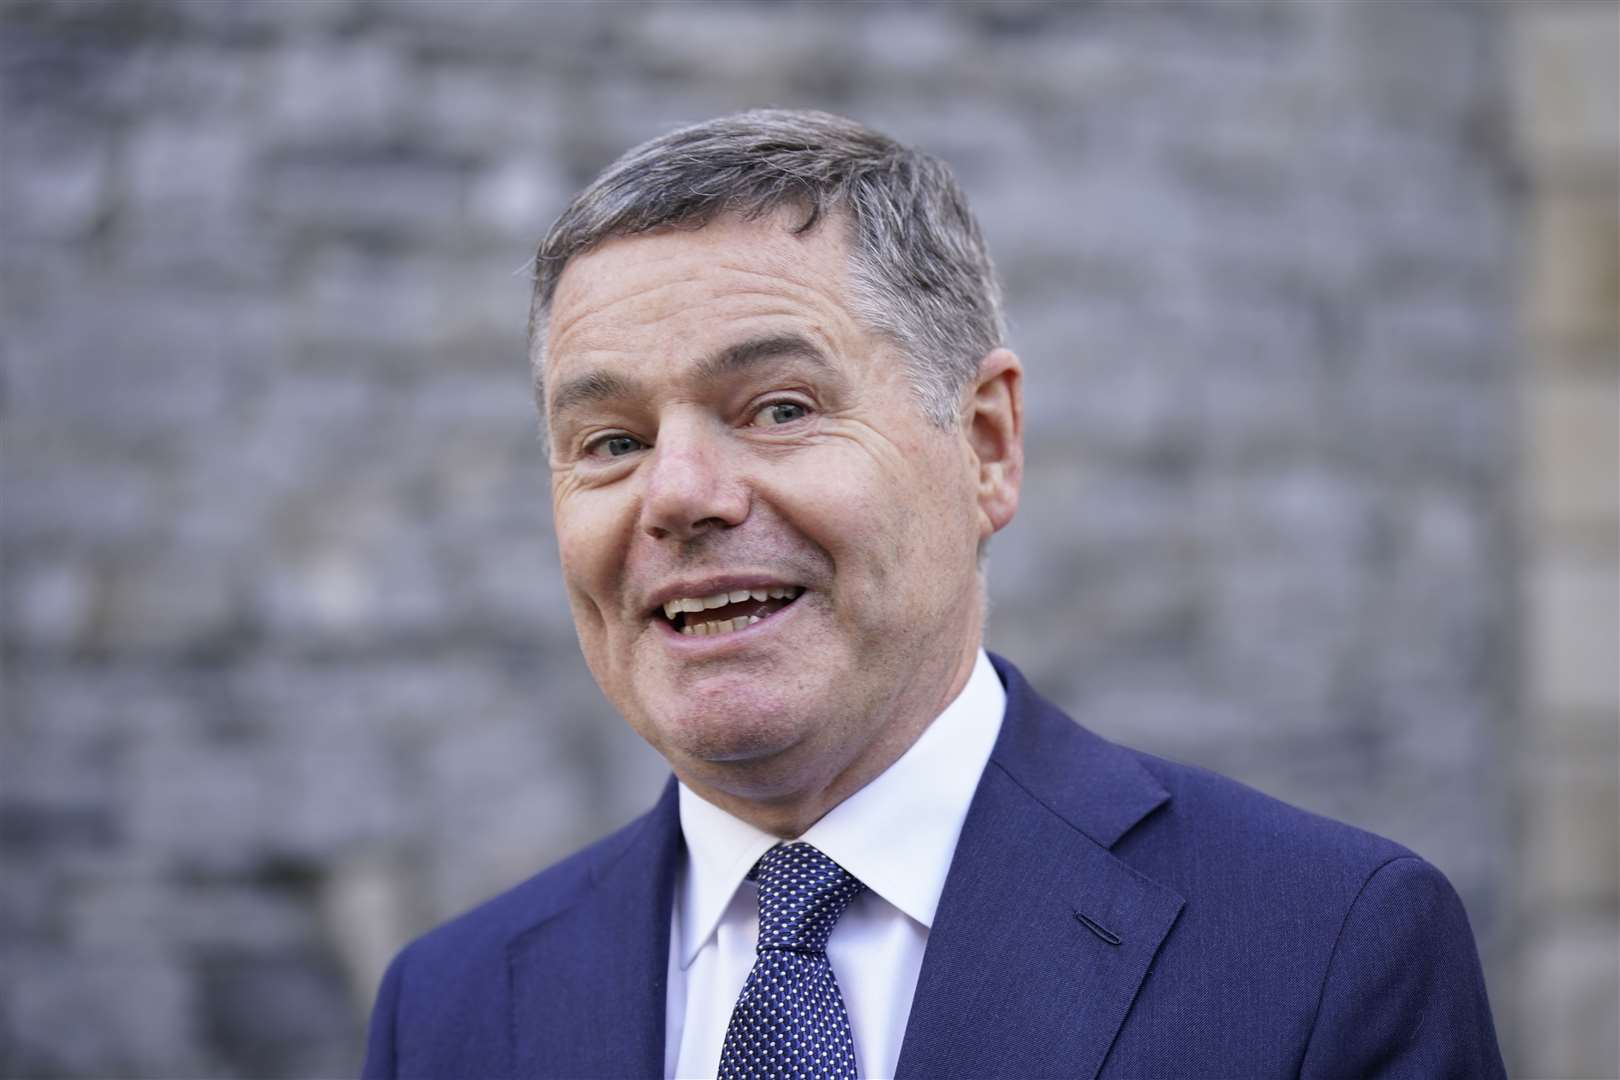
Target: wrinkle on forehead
[{"x": 776, "y": 264}]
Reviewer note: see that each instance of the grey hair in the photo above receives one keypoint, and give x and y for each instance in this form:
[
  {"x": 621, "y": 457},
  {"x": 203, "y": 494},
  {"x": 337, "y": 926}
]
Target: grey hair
[{"x": 919, "y": 271}]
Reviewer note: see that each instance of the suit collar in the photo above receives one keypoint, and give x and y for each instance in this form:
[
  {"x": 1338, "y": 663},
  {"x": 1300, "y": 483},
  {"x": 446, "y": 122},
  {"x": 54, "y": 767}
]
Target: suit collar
[
  {"x": 1095, "y": 786},
  {"x": 1043, "y": 936},
  {"x": 929, "y": 788},
  {"x": 589, "y": 982},
  {"x": 1013, "y": 982}
]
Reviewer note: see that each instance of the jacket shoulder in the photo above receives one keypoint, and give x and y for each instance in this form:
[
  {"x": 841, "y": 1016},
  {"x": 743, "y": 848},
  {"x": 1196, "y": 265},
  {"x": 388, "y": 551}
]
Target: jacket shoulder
[
  {"x": 1161, "y": 815},
  {"x": 1225, "y": 816},
  {"x": 487, "y": 928},
  {"x": 438, "y": 1011},
  {"x": 1361, "y": 949},
  {"x": 447, "y": 1003}
]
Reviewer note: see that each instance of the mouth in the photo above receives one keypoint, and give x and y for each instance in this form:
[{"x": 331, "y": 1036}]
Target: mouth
[{"x": 726, "y": 612}]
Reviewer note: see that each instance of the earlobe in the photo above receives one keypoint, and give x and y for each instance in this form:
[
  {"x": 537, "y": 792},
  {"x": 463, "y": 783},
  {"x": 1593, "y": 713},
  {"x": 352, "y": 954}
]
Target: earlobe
[{"x": 994, "y": 424}]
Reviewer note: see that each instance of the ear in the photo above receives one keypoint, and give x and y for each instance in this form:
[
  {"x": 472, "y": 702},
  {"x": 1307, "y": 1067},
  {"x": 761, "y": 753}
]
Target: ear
[{"x": 993, "y": 423}]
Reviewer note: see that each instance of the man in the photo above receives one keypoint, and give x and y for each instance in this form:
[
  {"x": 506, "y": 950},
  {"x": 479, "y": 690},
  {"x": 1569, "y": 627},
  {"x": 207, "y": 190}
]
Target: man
[{"x": 782, "y": 429}]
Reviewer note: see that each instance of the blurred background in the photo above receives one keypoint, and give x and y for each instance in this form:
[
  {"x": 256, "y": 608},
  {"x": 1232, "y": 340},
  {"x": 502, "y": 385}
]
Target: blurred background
[{"x": 1319, "y": 307}]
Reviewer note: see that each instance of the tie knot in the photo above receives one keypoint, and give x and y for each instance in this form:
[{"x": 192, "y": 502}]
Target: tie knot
[{"x": 801, "y": 895}]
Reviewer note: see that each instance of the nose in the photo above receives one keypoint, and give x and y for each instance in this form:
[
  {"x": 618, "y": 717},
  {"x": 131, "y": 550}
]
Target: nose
[{"x": 693, "y": 484}]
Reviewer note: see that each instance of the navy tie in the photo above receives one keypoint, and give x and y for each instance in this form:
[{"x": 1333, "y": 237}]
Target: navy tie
[{"x": 790, "y": 1018}]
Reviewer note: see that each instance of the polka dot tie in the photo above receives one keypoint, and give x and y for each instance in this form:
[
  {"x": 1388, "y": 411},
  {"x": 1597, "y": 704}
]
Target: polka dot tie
[{"x": 790, "y": 1019}]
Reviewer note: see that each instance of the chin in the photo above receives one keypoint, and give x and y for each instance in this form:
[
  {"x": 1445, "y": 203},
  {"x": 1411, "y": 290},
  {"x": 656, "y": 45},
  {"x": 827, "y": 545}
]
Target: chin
[{"x": 727, "y": 730}]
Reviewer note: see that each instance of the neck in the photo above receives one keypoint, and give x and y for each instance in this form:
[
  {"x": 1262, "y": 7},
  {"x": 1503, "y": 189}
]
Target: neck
[{"x": 791, "y": 797}]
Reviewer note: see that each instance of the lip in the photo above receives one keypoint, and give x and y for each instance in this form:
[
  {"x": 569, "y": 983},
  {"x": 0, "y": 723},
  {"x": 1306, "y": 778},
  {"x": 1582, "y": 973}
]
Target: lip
[{"x": 698, "y": 587}]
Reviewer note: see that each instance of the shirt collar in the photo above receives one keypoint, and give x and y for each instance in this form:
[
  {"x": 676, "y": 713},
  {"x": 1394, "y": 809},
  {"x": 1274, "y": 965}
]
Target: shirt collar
[{"x": 926, "y": 792}]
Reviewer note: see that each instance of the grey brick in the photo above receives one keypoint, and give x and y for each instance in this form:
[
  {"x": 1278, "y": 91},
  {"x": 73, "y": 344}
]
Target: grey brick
[{"x": 281, "y": 619}]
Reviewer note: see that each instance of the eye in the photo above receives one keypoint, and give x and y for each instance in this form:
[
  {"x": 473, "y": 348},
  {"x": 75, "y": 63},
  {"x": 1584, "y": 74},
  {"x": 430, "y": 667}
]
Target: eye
[
  {"x": 780, "y": 412},
  {"x": 612, "y": 445}
]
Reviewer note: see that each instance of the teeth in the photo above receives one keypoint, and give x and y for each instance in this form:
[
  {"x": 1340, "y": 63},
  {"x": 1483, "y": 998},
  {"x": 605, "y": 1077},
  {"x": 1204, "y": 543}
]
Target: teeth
[
  {"x": 690, "y": 604},
  {"x": 719, "y": 626}
]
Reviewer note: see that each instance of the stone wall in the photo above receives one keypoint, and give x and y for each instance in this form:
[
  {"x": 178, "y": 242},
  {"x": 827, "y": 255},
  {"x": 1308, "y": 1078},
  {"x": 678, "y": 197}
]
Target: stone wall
[
  {"x": 289, "y": 675},
  {"x": 1568, "y": 750}
]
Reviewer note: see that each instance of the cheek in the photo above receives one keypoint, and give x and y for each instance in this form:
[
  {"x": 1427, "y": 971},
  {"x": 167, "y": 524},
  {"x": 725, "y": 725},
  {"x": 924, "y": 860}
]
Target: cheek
[
  {"x": 931, "y": 532},
  {"x": 590, "y": 547},
  {"x": 890, "y": 532}
]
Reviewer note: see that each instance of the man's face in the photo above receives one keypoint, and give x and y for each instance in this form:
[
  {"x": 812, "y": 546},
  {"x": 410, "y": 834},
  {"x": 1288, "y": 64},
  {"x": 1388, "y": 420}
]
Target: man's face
[{"x": 722, "y": 427}]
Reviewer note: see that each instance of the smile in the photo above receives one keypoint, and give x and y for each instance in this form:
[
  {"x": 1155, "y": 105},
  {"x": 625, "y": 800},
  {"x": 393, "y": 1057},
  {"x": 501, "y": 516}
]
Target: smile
[{"x": 727, "y": 612}]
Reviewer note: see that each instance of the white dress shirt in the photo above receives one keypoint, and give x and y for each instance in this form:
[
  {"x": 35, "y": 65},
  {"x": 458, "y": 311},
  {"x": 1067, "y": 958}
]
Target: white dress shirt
[{"x": 897, "y": 835}]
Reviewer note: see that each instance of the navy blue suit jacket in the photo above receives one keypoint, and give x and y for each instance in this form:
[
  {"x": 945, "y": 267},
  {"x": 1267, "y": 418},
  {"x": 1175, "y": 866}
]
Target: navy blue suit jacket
[{"x": 1107, "y": 914}]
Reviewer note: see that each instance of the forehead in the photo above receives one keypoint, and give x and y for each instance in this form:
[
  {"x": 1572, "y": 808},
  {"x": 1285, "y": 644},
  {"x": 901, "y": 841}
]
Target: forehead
[{"x": 684, "y": 292}]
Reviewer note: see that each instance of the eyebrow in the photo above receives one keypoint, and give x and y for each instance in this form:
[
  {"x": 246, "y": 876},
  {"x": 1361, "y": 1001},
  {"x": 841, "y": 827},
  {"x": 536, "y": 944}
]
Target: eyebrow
[
  {"x": 591, "y": 386},
  {"x": 599, "y": 385},
  {"x": 755, "y": 351}
]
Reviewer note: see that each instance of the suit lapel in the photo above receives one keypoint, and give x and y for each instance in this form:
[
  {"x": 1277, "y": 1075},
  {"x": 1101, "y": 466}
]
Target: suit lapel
[
  {"x": 589, "y": 984},
  {"x": 1042, "y": 937}
]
